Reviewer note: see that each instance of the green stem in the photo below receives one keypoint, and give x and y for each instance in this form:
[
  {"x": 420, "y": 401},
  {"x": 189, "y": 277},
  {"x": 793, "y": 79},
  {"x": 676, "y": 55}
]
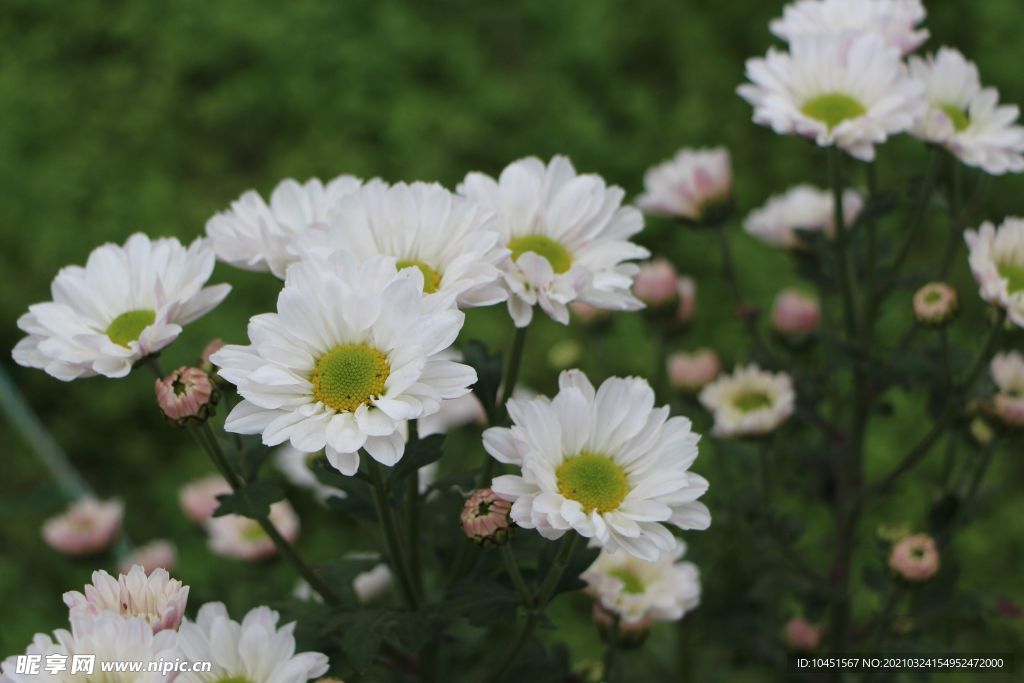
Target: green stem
[
  {"x": 847, "y": 284},
  {"x": 499, "y": 414},
  {"x": 920, "y": 212},
  {"x": 412, "y": 511},
  {"x": 610, "y": 648},
  {"x": 390, "y": 531},
  {"x": 512, "y": 569}
]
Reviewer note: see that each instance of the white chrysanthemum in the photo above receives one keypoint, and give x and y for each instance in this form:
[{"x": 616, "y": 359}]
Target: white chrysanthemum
[
  {"x": 1008, "y": 373},
  {"x": 693, "y": 185},
  {"x": 637, "y": 590},
  {"x": 749, "y": 402},
  {"x": 256, "y": 236},
  {"x": 126, "y": 303},
  {"x": 568, "y": 235},
  {"x": 848, "y": 91},
  {"x": 86, "y": 527},
  {"x": 894, "y": 20},
  {"x": 254, "y": 651},
  {"x": 349, "y": 356},
  {"x": 803, "y": 207},
  {"x": 157, "y": 598},
  {"x": 964, "y": 117},
  {"x": 606, "y": 464},
  {"x": 450, "y": 239},
  {"x": 243, "y": 538},
  {"x": 997, "y": 261},
  {"x": 111, "y": 638}
]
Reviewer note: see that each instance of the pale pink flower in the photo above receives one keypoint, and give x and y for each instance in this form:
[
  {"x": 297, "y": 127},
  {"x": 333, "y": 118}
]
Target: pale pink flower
[
  {"x": 935, "y": 303},
  {"x": 795, "y": 313},
  {"x": 690, "y": 371},
  {"x": 158, "y": 554},
  {"x": 155, "y": 597},
  {"x": 687, "y": 292},
  {"x": 657, "y": 283},
  {"x": 185, "y": 394},
  {"x": 87, "y": 527},
  {"x": 801, "y": 635},
  {"x": 695, "y": 185},
  {"x": 485, "y": 517},
  {"x": 244, "y": 539},
  {"x": 198, "y": 498},
  {"x": 587, "y": 313},
  {"x": 1007, "y": 371},
  {"x": 915, "y": 558}
]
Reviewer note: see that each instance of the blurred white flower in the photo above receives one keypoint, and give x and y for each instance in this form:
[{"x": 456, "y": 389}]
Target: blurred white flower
[
  {"x": 749, "y": 402},
  {"x": 605, "y": 464},
  {"x": 894, "y": 20},
  {"x": 198, "y": 498},
  {"x": 849, "y": 91},
  {"x": 158, "y": 554},
  {"x": 373, "y": 583},
  {"x": 934, "y": 303},
  {"x": 126, "y": 303},
  {"x": 242, "y": 538},
  {"x": 296, "y": 466},
  {"x": 568, "y": 235},
  {"x": 256, "y": 236},
  {"x": 87, "y": 527},
  {"x": 695, "y": 185},
  {"x": 794, "y": 312},
  {"x": 802, "y": 207},
  {"x": 996, "y": 256},
  {"x": 966, "y": 118},
  {"x": 690, "y": 371},
  {"x": 156, "y": 598},
  {"x": 1007, "y": 371}
]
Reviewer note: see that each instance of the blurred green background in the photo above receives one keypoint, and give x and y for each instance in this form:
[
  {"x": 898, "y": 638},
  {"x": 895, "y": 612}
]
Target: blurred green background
[{"x": 117, "y": 117}]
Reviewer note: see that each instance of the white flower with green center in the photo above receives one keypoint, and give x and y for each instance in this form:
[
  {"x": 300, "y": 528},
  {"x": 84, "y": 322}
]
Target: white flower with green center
[
  {"x": 849, "y": 91},
  {"x": 567, "y": 234},
  {"x": 351, "y": 354},
  {"x": 894, "y": 20},
  {"x": 255, "y": 235},
  {"x": 605, "y": 464},
  {"x": 156, "y": 597},
  {"x": 254, "y": 651},
  {"x": 126, "y": 303},
  {"x": 449, "y": 239},
  {"x": 803, "y": 208},
  {"x": 749, "y": 402},
  {"x": 242, "y": 538},
  {"x": 996, "y": 257},
  {"x": 966, "y": 118},
  {"x": 637, "y": 590}
]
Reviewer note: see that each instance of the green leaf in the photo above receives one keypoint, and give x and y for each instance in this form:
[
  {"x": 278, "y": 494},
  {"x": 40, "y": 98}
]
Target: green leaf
[
  {"x": 252, "y": 501},
  {"x": 340, "y": 574},
  {"x": 488, "y": 368},
  {"x": 481, "y": 601},
  {"x": 418, "y": 454},
  {"x": 365, "y": 630},
  {"x": 582, "y": 558},
  {"x": 354, "y": 499}
]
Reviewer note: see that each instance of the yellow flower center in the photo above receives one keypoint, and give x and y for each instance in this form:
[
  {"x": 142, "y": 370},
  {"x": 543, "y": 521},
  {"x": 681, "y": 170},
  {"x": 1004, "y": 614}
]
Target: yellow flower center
[
  {"x": 630, "y": 583},
  {"x": 595, "y": 481},
  {"x": 833, "y": 108},
  {"x": 1014, "y": 275},
  {"x": 127, "y": 327},
  {"x": 557, "y": 255},
  {"x": 956, "y": 115},
  {"x": 749, "y": 401},
  {"x": 253, "y": 532},
  {"x": 431, "y": 278},
  {"x": 349, "y": 375}
]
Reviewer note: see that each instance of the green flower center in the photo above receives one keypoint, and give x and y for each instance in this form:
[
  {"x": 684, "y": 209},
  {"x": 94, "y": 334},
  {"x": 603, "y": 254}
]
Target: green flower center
[
  {"x": 127, "y": 327},
  {"x": 956, "y": 115},
  {"x": 350, "y": 375},
  {"x": 750, "y": 401},
  {"x": 253, "y": 532},
  {"x": 630, "y": 584},
  {"x": 595, "y": 481},
  {"x": 557, "y": 255},
  {"x": 932, "y": 296},
  {"x": 431, "y": 278},
  {"x": 1014, "y": 275},
  {"x": 833, "y": 108}
]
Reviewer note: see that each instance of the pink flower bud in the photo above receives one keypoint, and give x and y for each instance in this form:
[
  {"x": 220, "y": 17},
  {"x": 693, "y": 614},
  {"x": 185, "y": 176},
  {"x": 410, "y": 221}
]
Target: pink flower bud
[
  {"x": 159, "y": 554},
  {"x": 185, "y": 394},
  {"x": 657, "y": 283},
  {"x": 795, "y": 313},
  {"x": 586, "y": 313},
  {"x": 691, "y": 371},
  {"x": 801, "y": 635},
  {"x": 87, "y": 527},
  {"x": 485, "y": 517},
  {"x": 915, "y": 558},
  {"x": 687, "y": 293},
  {"x": 935, "y": 303},
  {"x": 1010, "y": 409}
]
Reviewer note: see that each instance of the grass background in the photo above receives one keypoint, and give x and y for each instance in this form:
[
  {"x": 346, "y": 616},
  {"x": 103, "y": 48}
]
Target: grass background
[{"x": 117, "y": 117}]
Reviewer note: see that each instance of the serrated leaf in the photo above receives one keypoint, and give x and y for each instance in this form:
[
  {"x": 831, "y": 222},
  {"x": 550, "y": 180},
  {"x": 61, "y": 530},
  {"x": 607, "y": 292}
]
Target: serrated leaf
[{"x": 252, "y": 501}]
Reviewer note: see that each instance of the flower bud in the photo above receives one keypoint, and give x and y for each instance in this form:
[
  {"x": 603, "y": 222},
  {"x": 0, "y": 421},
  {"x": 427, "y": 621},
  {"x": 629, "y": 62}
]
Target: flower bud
[
  {"x": 657, "y": 283},
  {"x": 795, "y": 313},
  {"x": 915, "y": 558},
  {"x": 801, "y": 635},
  {"x": 935, "y": 303},
  {"x": 629, "y": 635},
  {"x": 198, "y": 498},
  {"x": 687, "y": 292},
  {"x": 588, "y": 314},
  {"x": 485, "y": 518},
  {"x": 159, "y": 554},
  {"x": 1009, "y": 408},
  {"x": 186, "y": 394},
  {"x": 691, "y": 371}
]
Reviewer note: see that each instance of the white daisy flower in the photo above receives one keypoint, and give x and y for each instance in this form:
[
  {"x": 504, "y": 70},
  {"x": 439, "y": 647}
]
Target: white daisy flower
[
  {"x": 451, "y": 240},
  {"x": 255, "y": 651},
  {"x": 568, "y": 235},
  {"x": 157, "y": 598},
  {"x": 637, "y": 590},
  {"x": 749, "y": 402},
  {"x": 695, "y": 185},
  {"x": 256, "y": 236},
  {"x": 803, "y": 207},
  {"x": 849, "y": 91},
  {"x": 349, "y": 356},
  {"x": 606, "y": 464},
  {"x": 86, "y": 527},
  {"x": 1007, "y": 371},
  {"x": 965, "y": 118},
  {"x": 242, "y": 538},
  {"x": 126, "y": 303},
  {"x": 996, "y": 257},
  {"x": 894, "y": 20}
]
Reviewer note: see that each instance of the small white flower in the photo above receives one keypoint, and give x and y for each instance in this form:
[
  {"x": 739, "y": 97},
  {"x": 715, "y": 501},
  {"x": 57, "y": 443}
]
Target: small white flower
[
  {"x": 126, "y": 303},
  {"x": 693, "y": 185},
  {"x": 1008, "y": 373},
  {"x": 243, "y": 538},
  {"x": 606, "y": 464},
  {"x": 88, "y": 526},
  {"x": 749, "y": 402},
  {"x": 373, "y": 583},
  {"x": 451, "y": 240},
  {"x": 637, "y": 590},
  {"x": 256, "y": 236},
  {"x": 802, "y": 207},
  {"x": 255, "y": 651},
  {"x": 351, "y": 353},
  {"x": 568, "y": 235},
  {"x": 894, "y": 20},
  {"x": 996, "y": 257},
  {"x": 850, "y": 91},
  {"x": 966, "y": 118},
  {"x": 157, "y": 598}
]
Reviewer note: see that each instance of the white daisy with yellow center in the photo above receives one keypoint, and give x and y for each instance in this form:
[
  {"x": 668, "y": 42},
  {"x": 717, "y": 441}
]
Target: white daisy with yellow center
[
  {"x": 849, "y": 91},
  {"x": 803, "y": 208},
  {"x": 351, "y": 354},
  {"x": 637, "y": 590},
  {"x": 255, "y": 235},
  {"x": 996, "y": 256},
  {"x": 449, "y": 239},
  {"x": 966, "y": 118},
  {"x": 567, "y": 236},
  {"x": 895, "y": 21},
  {"x": 749, "y": 402},
  {"x": 603, "y": 463},
  {"x": 126, "y": 303}
]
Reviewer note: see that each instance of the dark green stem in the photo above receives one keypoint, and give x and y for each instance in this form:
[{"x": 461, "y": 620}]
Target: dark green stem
[
  {"x": 842, "y": 243},
  {"x": 499, "y": 414},
  {"x": 919, "y": 213},
  {"x": 390, "y": 532},
  {"x": 610, "y": 648},
  {"x": 512, "y": 569}
]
